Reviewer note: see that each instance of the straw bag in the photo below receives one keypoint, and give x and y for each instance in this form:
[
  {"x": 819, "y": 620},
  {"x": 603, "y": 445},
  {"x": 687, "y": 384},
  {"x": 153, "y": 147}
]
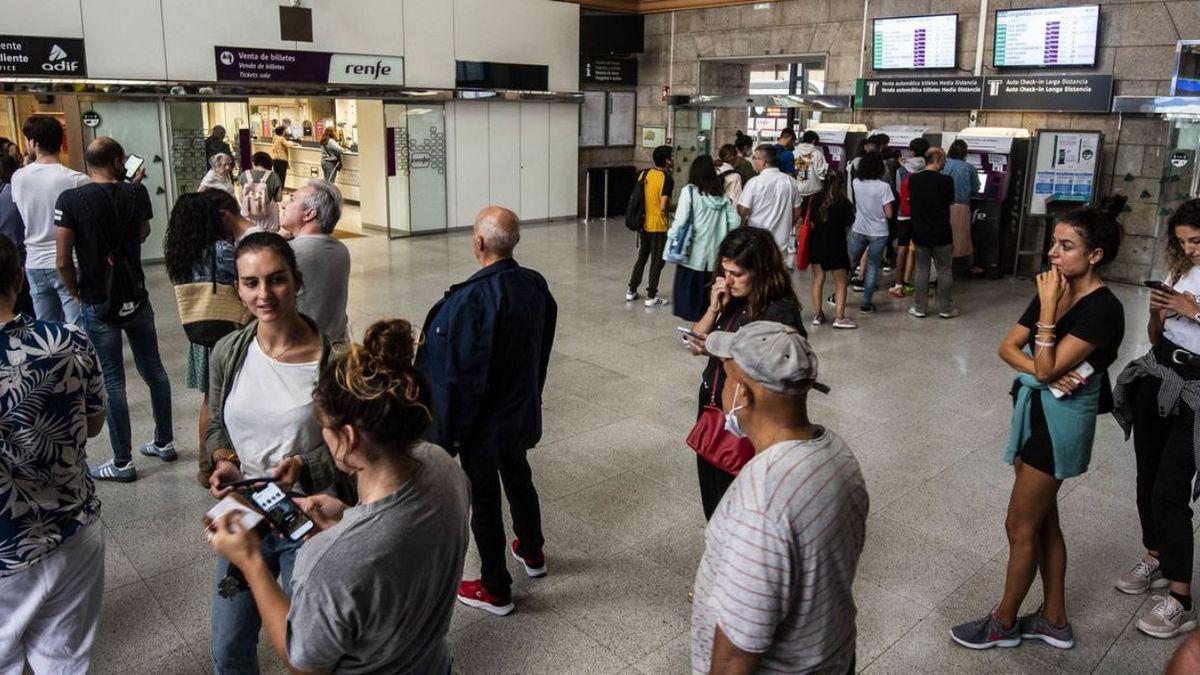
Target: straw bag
[{"x": 209, "y": 311}]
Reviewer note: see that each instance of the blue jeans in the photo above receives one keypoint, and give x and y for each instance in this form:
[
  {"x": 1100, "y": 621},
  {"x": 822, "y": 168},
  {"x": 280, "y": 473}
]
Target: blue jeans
[
  {"x": 875, "y": 247},
  {"x": 143, "y": 342},
  {"x": 235, "y": 621},
  {"x": 51, "y": 301}
]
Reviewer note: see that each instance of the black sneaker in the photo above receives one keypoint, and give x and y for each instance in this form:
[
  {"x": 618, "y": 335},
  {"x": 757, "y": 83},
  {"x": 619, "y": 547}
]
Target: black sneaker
[
  {"x": 985, "y": 633},
  {"x": 832, "y": 299},
  {"x": 867, "y": 309},
  {"x": 856, "y": 284}
]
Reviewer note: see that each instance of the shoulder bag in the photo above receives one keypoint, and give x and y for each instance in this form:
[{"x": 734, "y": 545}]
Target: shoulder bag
[
  {"x": 804, "y": 235},
  {"x": 709, "y": 438},
  {"x": 679, "y": 243},
  {"x": 209, "y": 311}
]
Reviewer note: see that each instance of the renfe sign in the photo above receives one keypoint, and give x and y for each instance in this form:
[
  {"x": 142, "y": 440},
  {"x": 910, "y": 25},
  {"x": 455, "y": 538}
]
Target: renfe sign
[{"x": 243, "y": 64}]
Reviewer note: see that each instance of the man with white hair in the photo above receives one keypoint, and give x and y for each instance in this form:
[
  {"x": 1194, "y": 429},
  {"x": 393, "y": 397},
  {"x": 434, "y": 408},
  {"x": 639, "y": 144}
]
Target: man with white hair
[
  {"x": 485, "y": 349},
  {"x": 324, "y": 262}
]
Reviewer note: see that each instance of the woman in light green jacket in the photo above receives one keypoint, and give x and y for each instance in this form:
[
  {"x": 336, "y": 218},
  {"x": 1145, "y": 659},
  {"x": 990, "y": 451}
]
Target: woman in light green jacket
[{"x": 702, "y": 219}]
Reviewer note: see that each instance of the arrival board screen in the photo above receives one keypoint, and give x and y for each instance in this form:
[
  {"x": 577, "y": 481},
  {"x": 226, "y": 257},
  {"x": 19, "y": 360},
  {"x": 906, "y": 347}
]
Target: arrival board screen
[
  {"x": 916, "y": 42},
  {"x": 1054, "y": 36}
]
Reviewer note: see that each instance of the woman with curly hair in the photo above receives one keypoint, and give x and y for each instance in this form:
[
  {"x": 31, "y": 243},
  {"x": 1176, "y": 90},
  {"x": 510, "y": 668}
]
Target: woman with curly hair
[
  {"x": 1157, "y": 397},
  {"x": 374, "y": 590},
  {"x": 197, "y": 249}
]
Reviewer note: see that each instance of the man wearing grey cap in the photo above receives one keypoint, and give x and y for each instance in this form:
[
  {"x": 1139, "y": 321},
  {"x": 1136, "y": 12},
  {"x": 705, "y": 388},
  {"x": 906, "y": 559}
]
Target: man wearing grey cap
[{"x": 774, "y": 588}]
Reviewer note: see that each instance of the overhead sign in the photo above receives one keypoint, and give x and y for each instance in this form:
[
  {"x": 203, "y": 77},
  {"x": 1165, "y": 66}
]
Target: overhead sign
[
  {"x": 42, "y": 56},
  {"x": 608, "y": 70},
  {"x": 919, "y": 93},
  {"x": 243, "y": 64},
  {"x": 1061, "y": 93}
]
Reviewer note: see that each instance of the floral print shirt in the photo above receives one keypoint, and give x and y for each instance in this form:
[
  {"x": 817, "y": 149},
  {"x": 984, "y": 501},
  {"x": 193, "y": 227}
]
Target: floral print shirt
[{"x": 50, "y": 383}]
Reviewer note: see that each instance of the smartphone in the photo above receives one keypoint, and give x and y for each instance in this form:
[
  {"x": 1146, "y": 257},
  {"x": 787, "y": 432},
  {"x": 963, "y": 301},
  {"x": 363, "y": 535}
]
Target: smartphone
[
  {"x": 282, "y": 512},
  {"x": 132, "y": 164},
  {"x": 248, "y": 519},
  {"x": 1159, "y": 286},
  {"x": 1083, "y": 370},
  {"x": 688, "y": 332}
]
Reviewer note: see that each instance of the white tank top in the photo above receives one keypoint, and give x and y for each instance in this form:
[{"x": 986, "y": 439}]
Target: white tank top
[{"x": 1183, "y": 330}]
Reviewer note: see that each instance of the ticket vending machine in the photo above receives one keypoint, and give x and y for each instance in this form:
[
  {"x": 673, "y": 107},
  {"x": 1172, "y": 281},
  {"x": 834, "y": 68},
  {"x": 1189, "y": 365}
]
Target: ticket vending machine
[
  {"x": 1000, "y": 156},
  {"x": 840, "y": 142},
  {"x": 900, "y": 135}
]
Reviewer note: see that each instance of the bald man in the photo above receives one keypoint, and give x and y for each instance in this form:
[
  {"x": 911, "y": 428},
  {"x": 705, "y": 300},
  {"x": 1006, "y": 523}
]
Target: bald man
[{"x": 485, "y": 351}]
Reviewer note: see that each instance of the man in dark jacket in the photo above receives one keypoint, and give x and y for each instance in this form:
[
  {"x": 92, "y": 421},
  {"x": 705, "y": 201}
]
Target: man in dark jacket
[
  {"x": 485, "y": 350},
  {"x": 930, "y": 193}
]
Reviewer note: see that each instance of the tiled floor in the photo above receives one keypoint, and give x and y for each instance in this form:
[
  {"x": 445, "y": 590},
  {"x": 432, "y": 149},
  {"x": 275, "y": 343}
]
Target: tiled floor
[{"x": 923, "y": 404}]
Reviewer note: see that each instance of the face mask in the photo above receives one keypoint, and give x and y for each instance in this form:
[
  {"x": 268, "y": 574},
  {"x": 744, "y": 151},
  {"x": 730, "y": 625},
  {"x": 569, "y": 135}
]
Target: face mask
[{"x": 731, "y": 421}]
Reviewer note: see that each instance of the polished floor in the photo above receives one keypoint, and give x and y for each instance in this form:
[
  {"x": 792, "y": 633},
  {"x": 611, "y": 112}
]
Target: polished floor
[{"x": 923, "y": 403}]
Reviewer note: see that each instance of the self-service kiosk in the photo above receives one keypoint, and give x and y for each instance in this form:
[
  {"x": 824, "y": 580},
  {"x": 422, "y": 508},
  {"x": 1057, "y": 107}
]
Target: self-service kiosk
[
  {"x": 900, "y": 135},
  {"x": 840, "y": 142},
  {"x": 1000, "y": 157}
]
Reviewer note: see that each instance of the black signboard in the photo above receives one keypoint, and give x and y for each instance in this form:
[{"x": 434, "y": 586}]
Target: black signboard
[
  {"x": 42, "y": 56},
  {"x": 1061, "y": 93},
  {"x": 608, "y": 70},
  {"x": 919, "y": 93},
  {"x": 285, "y": 65},
  {"x": 491, "y": 75}
]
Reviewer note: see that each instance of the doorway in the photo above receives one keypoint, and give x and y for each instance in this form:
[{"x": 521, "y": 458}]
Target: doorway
[
  {"x": 415, "y": 138},
  {"x": 1180, "y": 180}
]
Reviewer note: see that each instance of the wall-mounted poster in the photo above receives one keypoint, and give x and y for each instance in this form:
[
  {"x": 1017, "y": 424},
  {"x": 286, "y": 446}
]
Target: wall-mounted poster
[
  {"x": 622, "y": 108},
  {"x": 652, "y": 137},
  {"x": 591, "y": 119}
]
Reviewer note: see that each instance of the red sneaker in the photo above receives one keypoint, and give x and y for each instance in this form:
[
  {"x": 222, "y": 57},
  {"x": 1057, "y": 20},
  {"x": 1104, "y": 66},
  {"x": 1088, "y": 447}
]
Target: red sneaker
[
  {"x": 472, "y": 594},
  {"x": 535, "y": 566}
]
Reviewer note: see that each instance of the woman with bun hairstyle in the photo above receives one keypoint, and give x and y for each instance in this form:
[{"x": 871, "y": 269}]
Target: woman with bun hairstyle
[
  {"x": 1073, "y": 326},
  {"x": 1157, "y": 397},
  {"x": 263, "y": 422},
  {"x": 374, "y": 588}
]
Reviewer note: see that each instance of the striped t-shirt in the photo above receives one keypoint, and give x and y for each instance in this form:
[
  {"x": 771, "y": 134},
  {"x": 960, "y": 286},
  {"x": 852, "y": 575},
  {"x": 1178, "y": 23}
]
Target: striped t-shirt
[{"x": 779, "y": 560}]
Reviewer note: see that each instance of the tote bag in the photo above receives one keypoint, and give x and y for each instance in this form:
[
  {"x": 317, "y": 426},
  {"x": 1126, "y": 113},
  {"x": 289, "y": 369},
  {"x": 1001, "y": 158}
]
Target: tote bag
[{"x": 209, "y": 311}]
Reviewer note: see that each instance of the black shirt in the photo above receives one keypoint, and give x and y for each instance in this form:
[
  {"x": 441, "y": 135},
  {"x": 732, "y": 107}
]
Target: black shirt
[
  {"x": 930, "y": 194},
  {"x": 1098, "y": 319},
  {"x": 117, "y": 210},
  {"x": 839, "y": 216},
  {"x": 731, "y": 320}
]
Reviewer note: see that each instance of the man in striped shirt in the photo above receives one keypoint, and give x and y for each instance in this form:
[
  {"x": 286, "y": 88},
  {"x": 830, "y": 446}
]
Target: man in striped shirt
[{"x": 773, "y": 592}]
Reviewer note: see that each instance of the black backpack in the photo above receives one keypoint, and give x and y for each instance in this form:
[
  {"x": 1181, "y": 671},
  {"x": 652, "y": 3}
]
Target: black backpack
[
  {"x": 635, "y": 210},
  {"x": 125, "y": 295}
]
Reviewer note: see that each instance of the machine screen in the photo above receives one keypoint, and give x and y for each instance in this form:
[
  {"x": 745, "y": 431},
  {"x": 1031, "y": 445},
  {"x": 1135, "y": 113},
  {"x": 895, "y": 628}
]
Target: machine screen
[{"x": 983, "y": 182}]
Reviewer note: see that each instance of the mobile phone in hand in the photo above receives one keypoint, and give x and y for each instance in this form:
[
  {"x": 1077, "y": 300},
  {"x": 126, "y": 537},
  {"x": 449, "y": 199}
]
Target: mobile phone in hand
[
  {"x": 689, "y": 332},
  {"x": 133, "y": 164},
  {"x": 1159, "y": 286},
  {"x": 283, "y": 513}
]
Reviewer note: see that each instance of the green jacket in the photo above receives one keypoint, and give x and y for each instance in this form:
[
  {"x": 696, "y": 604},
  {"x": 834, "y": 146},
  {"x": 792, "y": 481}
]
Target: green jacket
[
  {"x": 224, "y": 362},
  {"x": 711, "y": 218}
]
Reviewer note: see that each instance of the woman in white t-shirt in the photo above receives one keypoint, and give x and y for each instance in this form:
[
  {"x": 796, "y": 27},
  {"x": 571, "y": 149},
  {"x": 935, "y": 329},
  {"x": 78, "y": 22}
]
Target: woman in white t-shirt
[
  {"x": 220, "y": 176},
  {"x": 873, "y": 201},
  {"x": 1165, "y": 445},
  {"x": 263, "y": 423}
]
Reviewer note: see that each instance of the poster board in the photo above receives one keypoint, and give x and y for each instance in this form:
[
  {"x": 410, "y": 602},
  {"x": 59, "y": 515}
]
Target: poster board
[
  {"x": 622, "y": 107},
  {"x": 1066, "y": 167},
  {"x": 592, "y": 120}
]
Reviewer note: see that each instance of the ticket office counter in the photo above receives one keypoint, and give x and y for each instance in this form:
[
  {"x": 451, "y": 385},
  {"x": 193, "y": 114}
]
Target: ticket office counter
[{"x": 304, "y": 163}]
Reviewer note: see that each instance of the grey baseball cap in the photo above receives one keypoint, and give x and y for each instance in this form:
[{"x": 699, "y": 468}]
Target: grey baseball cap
[{"x": 775, "y": 355}]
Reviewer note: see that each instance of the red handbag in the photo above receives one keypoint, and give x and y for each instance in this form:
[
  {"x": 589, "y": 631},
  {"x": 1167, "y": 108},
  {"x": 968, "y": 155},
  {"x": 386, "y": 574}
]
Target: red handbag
[
  {"x": 802, "y": 237},
  {"x": 710, "y": 440}
]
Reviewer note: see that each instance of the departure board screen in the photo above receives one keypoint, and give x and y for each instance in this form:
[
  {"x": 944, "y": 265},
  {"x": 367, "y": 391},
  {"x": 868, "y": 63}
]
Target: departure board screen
[
  {"x": 916, "y": 42},
  {"x": 1048, "y": 37}
]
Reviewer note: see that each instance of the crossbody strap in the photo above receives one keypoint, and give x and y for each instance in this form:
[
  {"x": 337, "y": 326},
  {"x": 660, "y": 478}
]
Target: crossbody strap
[{"x": 712, "y": 394}]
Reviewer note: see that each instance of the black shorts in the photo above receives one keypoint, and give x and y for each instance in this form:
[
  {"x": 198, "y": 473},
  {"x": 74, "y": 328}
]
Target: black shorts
[
  {"x": 1038, "y": 451},
  {"x": 903, "y": 232}
]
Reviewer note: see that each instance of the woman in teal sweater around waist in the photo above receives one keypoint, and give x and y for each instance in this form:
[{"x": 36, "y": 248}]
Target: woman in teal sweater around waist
[
  {"x": 1074, "y": 325},
  {"x": 702, "y": 219}
]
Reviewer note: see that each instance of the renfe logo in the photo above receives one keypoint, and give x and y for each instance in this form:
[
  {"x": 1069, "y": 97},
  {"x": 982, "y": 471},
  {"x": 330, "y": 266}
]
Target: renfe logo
[
  {"x": 374, "y": 70},
  {"x": 58, "y": 61}
]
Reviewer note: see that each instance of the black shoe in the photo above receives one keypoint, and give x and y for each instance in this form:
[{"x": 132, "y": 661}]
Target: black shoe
[{"x": 867, "y": 309}]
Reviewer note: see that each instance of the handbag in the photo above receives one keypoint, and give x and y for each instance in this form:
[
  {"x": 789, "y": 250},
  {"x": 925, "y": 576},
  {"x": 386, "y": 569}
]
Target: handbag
[
  {"x": 679, "y": 243},
  {"x": 802, "y": 238},
  {"x": 208, "y": 310},
  {"x": 709, "y": 438}
]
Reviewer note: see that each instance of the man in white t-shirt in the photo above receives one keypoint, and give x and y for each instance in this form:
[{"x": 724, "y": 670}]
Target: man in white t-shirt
[
  {"x": 771, "y": 200},
  {"x": 774, "y": 590},
  {"x": 35, "y": 190}
]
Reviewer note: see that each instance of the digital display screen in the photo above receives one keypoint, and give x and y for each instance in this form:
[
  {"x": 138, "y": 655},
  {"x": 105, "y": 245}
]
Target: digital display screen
[
  {"x": 916, "y": 42},
  {"x": 983, "y": 182},
  {"x": 1047, "y": 37}
]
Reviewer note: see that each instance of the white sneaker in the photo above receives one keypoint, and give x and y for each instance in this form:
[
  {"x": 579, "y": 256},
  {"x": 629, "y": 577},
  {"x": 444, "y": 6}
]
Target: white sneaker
[
  {"x": 1167, "y": 618},
  {"x": 656, "y": 302},
  {"x": 630, "y": 296},
  {"x": 1144, "y": 576}
]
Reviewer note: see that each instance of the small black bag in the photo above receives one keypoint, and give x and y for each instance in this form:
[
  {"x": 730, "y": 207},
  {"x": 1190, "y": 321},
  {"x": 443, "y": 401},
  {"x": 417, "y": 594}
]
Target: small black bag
[
  {"x": 125, "y": 294},
  {"x": 635, "y": 211}
]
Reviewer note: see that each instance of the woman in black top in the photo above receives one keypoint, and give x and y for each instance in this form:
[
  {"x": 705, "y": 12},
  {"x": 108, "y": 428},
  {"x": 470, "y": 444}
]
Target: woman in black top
[
  {"x": 1073, "y": 319},
  {"x": 827, "y": 251},
  {"x": 752, "y": 284}
]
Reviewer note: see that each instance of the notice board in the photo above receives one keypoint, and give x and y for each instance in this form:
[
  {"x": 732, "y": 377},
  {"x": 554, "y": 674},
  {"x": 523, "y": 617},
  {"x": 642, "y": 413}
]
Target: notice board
[
  {"x": 591, "y": 119},
  {"x": 1066, "y": 166}
]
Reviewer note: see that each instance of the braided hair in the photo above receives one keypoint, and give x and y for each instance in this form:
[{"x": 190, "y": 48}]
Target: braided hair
[
  {"x": 1188, "y": 214},
  {"x": 375, "y": 388}
]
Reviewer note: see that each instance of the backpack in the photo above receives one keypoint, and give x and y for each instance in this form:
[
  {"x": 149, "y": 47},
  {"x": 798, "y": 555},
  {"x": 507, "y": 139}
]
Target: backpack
[
  {"x": 806, "y": 175},
  {"x": 255, "y": 198},
  {"x": 635, "y": 210},
  {"x": 905, "y": 204},
  {"x": 125, "y": 295}
]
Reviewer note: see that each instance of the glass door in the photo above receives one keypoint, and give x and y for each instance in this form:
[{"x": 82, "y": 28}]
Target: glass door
[
  {"x": 1180, "y": 180},
  {"x": 416, "y": 168},
  {"x": 189, "y": 124}
]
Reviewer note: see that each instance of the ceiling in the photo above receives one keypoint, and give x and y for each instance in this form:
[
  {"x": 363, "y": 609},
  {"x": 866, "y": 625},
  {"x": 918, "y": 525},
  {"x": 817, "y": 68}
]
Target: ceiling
[{"x": 653, "y": 6}]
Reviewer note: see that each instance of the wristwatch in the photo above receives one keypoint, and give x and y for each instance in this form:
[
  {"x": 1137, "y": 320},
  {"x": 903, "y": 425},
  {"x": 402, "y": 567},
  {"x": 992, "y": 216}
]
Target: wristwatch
[{"x": 232, "y": 458}]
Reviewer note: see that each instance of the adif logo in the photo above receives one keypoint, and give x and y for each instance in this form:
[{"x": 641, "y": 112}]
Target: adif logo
[{"x": 58, "y": 61}]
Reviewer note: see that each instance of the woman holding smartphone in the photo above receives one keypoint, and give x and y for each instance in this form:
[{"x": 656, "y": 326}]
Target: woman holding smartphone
[
  {"x": 375, "y": 587},
  {"x": 1073, "y": 319},
  {"x": 751, "y": 284},
  {"x": 1156, "y": 399},
  {"x": 263, "y": 373}
]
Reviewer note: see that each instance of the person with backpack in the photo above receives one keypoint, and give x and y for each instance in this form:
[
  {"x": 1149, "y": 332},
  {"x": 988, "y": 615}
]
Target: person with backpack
[
  {"x": 731, "y": 180},
  {"x": 654, "y": 187},
  {"x": 704, "y": 216},
  {"x": 811, "y": 166},
  {"x": 102, "y": 225},
  {"x": 261, "y": 193},
  {"x": 902, "y": 284}
]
